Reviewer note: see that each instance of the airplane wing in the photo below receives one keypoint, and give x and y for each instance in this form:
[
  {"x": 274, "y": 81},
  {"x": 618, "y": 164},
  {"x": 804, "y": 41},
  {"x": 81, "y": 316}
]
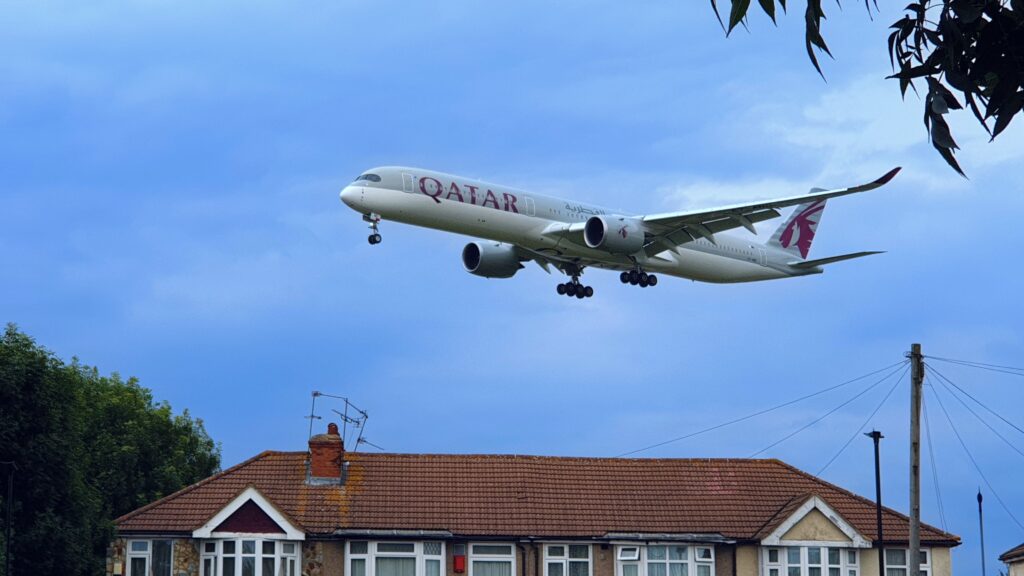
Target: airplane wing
[{"x": 667, "y": 231}]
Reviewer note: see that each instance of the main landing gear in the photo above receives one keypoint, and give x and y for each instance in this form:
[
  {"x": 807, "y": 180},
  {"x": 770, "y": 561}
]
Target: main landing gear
[
  {"x": 576, "y": 289},
  {"x": 374, "y": 220},
  {"x": 638, "y": 277}
]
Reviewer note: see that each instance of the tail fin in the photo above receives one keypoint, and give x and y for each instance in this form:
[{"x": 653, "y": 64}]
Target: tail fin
[{"x": 797, "y": 232}]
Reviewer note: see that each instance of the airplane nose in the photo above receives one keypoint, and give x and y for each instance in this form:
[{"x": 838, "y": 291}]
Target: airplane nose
[{"x": 350, "y": 195}]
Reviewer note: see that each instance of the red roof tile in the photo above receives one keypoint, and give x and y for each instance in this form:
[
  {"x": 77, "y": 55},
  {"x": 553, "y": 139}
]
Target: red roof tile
[{"x": 507, "y": 495}]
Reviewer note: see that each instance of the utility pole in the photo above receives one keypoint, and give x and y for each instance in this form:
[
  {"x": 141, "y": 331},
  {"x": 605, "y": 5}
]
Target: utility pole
[
  {"x": 916, "y": 381},
  {"x": 981, "y": 526},
  {"x": 880, "y": 542}
]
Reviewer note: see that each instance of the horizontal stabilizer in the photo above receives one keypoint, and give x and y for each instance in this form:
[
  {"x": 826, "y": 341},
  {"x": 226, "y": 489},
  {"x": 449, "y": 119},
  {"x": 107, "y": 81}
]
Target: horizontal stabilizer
[{"x": 803, "y": 264}]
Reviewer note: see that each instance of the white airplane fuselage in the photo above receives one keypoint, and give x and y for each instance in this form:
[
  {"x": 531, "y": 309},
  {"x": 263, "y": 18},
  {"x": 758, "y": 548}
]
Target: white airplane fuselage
[{"x": 542, "y": 224}]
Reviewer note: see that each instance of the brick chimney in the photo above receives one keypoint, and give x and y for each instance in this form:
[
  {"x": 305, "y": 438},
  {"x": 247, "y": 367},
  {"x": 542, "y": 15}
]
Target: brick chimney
[{"x": 326, "y": 454}]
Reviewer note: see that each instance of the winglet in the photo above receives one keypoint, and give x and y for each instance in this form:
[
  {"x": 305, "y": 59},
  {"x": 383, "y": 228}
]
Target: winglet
[{"x": 888, "y": 176}]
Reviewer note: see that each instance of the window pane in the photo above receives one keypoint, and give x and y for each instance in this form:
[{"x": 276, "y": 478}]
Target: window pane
[
  {"x": 773, "y": 572},
  {"x": 248, "y": 546},
  {"x": 793, "y": 555},
  {"x": 814, "y": 556},
  {"x": 630, "y": 570},
  {"x": 488, "y": 568},
  {"x": 289, "y": 548},
  {"x": 703, "y": 570},
  {"x": 291, "y": 568},
  {"x": 268, "y": 548},
  {"x": 629, "y": 553},
  {"x": 268, "y": 565},
  {"x": 578, "y": 568},
  {"x": 895, "y": 572},
  {"x": 794, "y": 571},
  {"x": 396, "y": 547},
  {"x": 161, "y": 558},
  {"x": 924, "y": 556},
  {"x": 358, "y": 547},
  {"x": 579, "y": 551},
  {"x": 358, "y": 567},
  {"x": 229, "y": 566},
  {"x": 704, "y": 553},
  {"x": 395, "y": 566},
  {"x": 248, "y": 565},
  {"x": 655, "y": 552},
  {"x": 851, "y": 556},
  {"x": 556, "y": 550},
  {"x": 210, "y": 547},
  {"x": 833, "y": 556},
  {"x": 432, "y": 548},
  {"x": 207, "y": 567},
  {"x": 492, "y": 550},
  {"x": 678, "y": 569},
  {"x": 556, "y": 569},
  {"x": 677, "y": 552},
  {"x": 433, "y": 568},
  {"x": 140, "y": 546},
  {"x": 229, "y": 546},
  {"x": 834, "y": 572},
  {"x": 657, "y": 569},
  {"x": 814, "y": 571},
  {"x": 137, "y": 567},
  {"x": 895, "y": 557},
  {"x": 773, "y": 555}
]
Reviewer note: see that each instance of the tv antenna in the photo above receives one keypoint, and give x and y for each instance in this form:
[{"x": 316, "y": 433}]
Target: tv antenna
[{"x": 351, "y": 415}]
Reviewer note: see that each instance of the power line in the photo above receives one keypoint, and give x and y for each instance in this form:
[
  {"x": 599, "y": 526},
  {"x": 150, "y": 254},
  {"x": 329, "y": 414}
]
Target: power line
[
  {"x": 978, "y": 402},
  {"x": 980, "y": 419},
  {"x": 931, "y": 458},
  {"x": 759, "y": 412},
  {"x": 981, "y": 365},
  {"x": 861, "y": 427},
  {"x": 825, "y": 415},
  {"x": 938, "y": 398}
]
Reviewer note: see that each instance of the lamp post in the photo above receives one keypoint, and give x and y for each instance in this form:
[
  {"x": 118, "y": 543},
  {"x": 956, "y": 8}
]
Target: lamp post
[{"x": 876, "y": 436}]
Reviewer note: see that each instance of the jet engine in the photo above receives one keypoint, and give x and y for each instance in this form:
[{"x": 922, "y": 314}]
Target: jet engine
[
  {"x": 490, "y": 259},
  {"x": 615, "y": 234}
]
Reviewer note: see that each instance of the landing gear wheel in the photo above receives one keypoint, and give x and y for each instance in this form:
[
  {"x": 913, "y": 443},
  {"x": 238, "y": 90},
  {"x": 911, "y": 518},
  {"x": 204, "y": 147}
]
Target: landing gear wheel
[
  {"x": 652, "y": 280},
  {"x": 588, "y": 291},
  {"x": 634, "y": 277},
  {"x": 624, "y": 277},
  {"x": 374, "y": 238},
  {"x": 570, "y": 289},
  {"x": 643, "y": 283},
  {"x": 561, "y": 289},
  {"x": 581, "y": 292}
]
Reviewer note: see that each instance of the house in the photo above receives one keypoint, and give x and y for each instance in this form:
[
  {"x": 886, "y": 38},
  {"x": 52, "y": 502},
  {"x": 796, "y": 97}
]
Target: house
[
  {"x": 1014, "y": 560},
  {"x": 328, "y": 512}
]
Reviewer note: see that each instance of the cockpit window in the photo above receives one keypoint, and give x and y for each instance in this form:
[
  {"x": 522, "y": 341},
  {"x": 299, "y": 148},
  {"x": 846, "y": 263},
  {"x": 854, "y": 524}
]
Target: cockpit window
[{"x": 369, "y": 178}]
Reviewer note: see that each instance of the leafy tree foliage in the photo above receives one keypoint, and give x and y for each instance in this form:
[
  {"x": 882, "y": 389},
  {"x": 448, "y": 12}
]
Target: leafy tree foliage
[
  {"x": 973, "y": 48},
  {"x": 88, "y": 448}
]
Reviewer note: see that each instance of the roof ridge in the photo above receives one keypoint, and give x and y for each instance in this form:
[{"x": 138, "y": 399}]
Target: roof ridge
[
  {"x": 778, "y": 511},
  {"x": 864, "y": 500},
  {"x": 191, "y": 487},
  {"x": 551, "y": 457}
]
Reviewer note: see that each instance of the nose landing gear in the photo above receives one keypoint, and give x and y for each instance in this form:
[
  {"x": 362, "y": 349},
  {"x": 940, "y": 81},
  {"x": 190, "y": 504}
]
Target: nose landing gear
[
  {"x": 638, "y": 277},
  {"x": 374, "y": 220}
]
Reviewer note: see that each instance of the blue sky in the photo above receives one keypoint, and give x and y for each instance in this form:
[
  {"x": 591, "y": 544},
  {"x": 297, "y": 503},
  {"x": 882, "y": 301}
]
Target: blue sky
[{"x": 169, "y": 210}]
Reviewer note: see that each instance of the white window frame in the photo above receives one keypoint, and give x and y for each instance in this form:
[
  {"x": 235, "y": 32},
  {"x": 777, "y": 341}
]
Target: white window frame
[
  {"x": 692, "y": 557},
  {"x": 566, "y": 558},
  {"x": 926, "y": 566},
  {"x": 372, "y": 553},
  {"x": 148, "y": 555},
  {"x": 782, "y": 564},
  {"x": 280, "y": 556},
  {"x": 475, "y": 556}
]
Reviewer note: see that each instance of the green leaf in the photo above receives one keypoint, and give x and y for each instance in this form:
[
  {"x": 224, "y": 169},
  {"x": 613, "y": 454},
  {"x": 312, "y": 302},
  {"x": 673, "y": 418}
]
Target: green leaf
[
  {"x": 738, "y": 13},
  {"x": 769, "y": 8}
]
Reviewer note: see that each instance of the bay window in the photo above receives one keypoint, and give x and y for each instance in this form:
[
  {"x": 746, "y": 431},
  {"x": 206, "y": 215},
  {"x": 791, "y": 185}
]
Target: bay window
[
  {"x": 665, "y": 560},
  {"x": 248, "y": 557},
  {"x": 567, "y": 560},
  {"x": 395, "y": 558},
  {"x": 811, "y": 561}
]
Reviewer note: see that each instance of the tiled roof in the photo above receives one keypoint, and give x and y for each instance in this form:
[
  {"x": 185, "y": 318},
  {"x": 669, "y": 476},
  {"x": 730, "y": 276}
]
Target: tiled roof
[
  {"x": 1015, "y": 553},
  {"x": 507, "y": 495}
]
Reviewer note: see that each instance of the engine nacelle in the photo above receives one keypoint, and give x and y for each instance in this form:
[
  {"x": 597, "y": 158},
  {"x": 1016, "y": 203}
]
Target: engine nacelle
[
  {"x": 490, "y": 259},
  {"x": 615, "y": 234}
]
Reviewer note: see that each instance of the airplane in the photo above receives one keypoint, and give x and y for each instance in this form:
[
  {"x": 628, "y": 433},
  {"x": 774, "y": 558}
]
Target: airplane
[{"x": 518, "y": 226}]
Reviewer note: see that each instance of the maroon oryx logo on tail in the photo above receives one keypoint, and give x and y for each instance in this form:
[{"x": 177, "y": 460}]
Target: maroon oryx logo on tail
[{"x": 801, "y": 227}]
